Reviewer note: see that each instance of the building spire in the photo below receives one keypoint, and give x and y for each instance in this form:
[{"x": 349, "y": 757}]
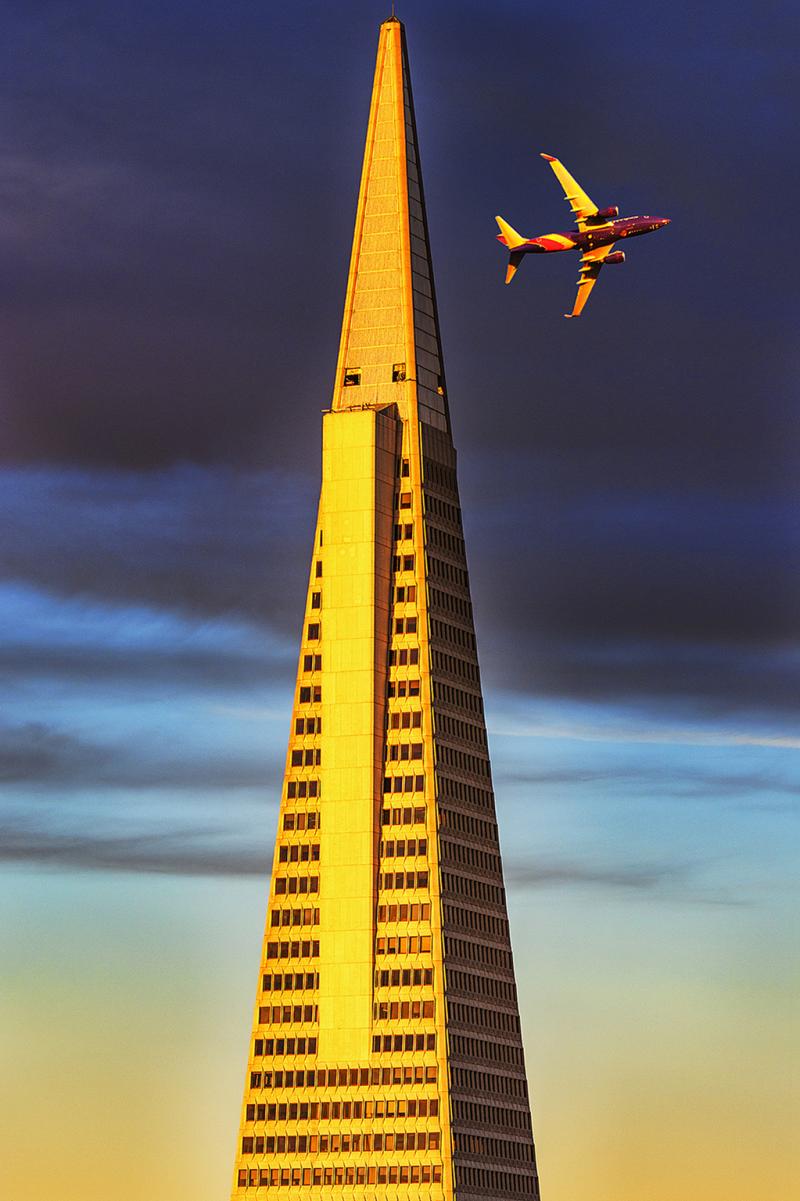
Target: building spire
[{"x": 390, "y": 350}]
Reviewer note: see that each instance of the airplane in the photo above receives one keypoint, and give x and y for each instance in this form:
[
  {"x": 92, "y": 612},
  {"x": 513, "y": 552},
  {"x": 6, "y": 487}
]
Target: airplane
[{"x": 598, "y": 230}]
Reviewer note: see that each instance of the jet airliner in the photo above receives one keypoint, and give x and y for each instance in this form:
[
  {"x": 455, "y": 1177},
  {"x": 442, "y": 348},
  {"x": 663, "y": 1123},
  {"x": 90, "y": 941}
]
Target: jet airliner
[{"x": 598, "y": 230}]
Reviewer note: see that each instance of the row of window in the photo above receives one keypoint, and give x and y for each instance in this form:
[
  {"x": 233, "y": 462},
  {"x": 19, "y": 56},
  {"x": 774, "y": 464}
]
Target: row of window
[
  {"x": 312, "y": 662},
  {"x": 412, "y": 944},
  {"x": 346, "y": 1077},
  {"x": 405, "y": 656},
  {"x": 447, "y": 571},
  {"x": 277, "y": 1015},
  {"x": 403, "y": 1042},
  {"x": 467, "y": 731},
  {"x": 294, "y": 917},
  {"x": 298, "y": 852},
  {"x": 403, "y": 817},
  {"x": 477, "y": 1015},
  {"x": 454, "y": 665},
  {"x": 310, "y": 694},
  {"x": 441, "y": 475},
  {"x": 450, "y": 757},
  {"x": 289, "y": 981},
  {"x": 302, "y": 788},
  {"x": 464, "y": 1046},
  {"x": 303, "y": 1111},
  {"x": 445, "y": 541},
  {"x": 458, "y": 917},
  {"x": 447, "y": 694},
  {"x": 302, "y": 821},
  {"x": 308, "y": 725},
  {"x": 403, "y": 977},
  {"x": 472, "y": 1113},
  {"x": 443, "y": 509},
  {"x": 404, "y": 532},
  {"x": 472, "y": 1081},
  {"x": 445, "y": 631},
  {"x": 450, "y": 603},
  {"x": 404, "y": 913},
  {"x": 285, "y": 1177},
  {"x": 403, "y": 847},
  {"x": 302, "y": 949},
  {"x": 406, "y": 625},
  {"x": 295, "y": 884},
  {"x": 488, "y": 1181},
  {"x": 472, "y": 951},
  {"x": 403, "y": 784},
  {"x": 403, "y": 752},
  {"x": 352, "y": 375},
  {"x": 312, "y": 757},
  {"x": 391, "y": 1011},
  {"x": 391, "y": 880},
  {"x": 477, "y": 983},
  {"x": 475, "y": 796},
  {"x": 335, "y": 1144},
  {"x": 285, "y": 1046},
  {"x": 402, "y": 688},
  {"x": 469, "y": 856},
  {"x": 402, "y": 562},
  {"x": 405, "y": 594},
  {"x": 409, "y": 719},
  {"x": 476, "y": 890}
]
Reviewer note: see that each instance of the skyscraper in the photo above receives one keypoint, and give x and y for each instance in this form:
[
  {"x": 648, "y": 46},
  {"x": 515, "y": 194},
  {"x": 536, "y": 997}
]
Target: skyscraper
[{"x": 386, "y": 1057}]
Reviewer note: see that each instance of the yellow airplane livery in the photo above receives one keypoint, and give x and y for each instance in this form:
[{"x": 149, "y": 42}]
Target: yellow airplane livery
[{"x": 597, "y": 231}]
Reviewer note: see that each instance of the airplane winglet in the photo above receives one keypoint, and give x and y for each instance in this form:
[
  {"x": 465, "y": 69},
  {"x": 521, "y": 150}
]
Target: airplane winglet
[{"x": 549, "y": 157}]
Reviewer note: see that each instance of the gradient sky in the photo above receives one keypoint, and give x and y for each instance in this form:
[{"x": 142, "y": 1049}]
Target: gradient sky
[{"x": 177, "y": 192}]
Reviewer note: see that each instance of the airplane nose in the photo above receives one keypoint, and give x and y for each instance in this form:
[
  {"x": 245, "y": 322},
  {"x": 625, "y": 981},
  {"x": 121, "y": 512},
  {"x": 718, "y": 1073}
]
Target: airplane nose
[{"x": 664, "y": 220}]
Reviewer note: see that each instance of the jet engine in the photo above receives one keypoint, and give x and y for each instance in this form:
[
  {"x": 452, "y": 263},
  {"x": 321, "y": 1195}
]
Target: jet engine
[
  {"x": 616, "y": 256},
  {"x": 611, "y": 211}
]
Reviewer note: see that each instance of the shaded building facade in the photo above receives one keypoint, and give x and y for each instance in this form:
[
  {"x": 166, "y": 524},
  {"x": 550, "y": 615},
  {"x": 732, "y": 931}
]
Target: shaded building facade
[{"x": 385, "y": 1057}]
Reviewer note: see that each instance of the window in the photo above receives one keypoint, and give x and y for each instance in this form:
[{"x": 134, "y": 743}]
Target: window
[
  {"x": 313, "y": 630},
  {"x": 316, "y": 600},
  {"x": 405, "y": 500},
  {"x": 318, "y": 568},
  {"x": 352, "y": 377},
  {"x": 398, "y": 372}
]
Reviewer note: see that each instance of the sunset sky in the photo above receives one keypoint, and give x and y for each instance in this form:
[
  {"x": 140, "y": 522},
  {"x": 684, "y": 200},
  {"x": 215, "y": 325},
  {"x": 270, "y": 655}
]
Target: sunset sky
[{"x": 177, "y": 193}]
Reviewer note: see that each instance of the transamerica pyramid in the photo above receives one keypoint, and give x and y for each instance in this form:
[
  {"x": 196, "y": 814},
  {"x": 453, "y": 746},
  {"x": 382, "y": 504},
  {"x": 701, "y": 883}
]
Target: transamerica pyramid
[{"x": 385, "y": 1059}]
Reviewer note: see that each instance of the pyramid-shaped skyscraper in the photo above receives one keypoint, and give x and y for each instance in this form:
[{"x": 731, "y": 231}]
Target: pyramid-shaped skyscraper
[{"x": 385, "y": 1058}]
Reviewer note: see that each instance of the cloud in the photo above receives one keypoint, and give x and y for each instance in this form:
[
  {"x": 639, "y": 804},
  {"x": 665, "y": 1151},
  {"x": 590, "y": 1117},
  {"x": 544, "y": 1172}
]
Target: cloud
[
  {"x": 657, "y": 735},
  {"x": 675, "y": 882},
  {"x": 40, "y": 757},
  {"x": 186, "y": 852}
]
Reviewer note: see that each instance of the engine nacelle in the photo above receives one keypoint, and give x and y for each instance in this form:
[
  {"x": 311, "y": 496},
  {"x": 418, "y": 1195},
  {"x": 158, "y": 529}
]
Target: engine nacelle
[
  {"x": 616, "y": 256},
  {"x": 611, "y": 211}
]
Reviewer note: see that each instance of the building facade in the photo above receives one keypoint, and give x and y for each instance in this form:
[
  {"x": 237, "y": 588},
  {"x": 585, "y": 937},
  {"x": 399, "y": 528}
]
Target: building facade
[{"x": 386, "y": 1058}]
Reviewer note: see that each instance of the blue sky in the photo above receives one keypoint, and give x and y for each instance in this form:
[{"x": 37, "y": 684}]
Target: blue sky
[{"x": 177, "y": 188}]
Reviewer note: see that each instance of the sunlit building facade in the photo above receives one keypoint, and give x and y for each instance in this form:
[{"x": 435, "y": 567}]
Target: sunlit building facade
[{"x": 386, "y": 1058}]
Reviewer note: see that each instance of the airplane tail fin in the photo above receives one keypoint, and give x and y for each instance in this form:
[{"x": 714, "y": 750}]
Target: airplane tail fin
[
  {"x": 514, "y": 260},
  {"x": 509, "y": 235}
]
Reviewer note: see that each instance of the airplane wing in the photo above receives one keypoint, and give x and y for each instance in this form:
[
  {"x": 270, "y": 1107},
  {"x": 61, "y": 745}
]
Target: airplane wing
[
  {"x": 582, "y": 205},
  {"x": 591, "y": 262}
]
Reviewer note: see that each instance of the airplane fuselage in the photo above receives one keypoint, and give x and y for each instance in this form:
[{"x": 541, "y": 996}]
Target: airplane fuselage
[{"x": 589, "y": 239}]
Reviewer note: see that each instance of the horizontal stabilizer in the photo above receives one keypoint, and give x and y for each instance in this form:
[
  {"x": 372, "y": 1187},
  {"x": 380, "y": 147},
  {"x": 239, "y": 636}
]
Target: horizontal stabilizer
[
  {"x": 514, "y": 260},
  {"x": 509, "y": 235}
]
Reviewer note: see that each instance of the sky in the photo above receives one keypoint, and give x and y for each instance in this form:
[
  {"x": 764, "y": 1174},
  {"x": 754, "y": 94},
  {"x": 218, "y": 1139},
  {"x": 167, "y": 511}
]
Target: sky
[{"x": 177, "y": 193}]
